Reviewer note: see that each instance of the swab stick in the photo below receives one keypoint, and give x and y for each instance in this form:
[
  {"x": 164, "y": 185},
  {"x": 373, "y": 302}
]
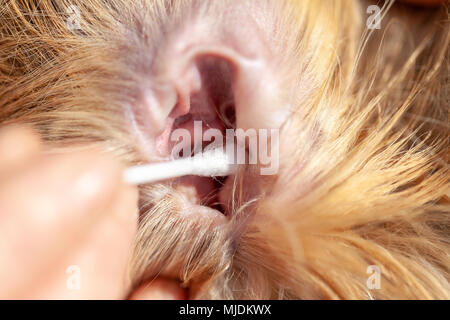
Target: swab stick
[{"x": 211, "y": 163}]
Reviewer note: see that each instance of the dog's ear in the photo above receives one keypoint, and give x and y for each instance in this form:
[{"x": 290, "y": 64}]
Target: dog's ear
[{"x": 232, "y": 56}]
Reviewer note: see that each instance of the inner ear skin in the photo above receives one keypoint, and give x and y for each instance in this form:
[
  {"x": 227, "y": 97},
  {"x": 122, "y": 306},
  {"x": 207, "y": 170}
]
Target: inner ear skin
[
  {"x": 212, "y": 102},
  {"x": 215, "y": 65},
  {"x": 220, "y": 88}
]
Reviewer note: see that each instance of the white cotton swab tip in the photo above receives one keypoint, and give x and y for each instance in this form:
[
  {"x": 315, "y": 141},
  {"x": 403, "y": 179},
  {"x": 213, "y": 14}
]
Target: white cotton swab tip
[{"x": 210, "y": 164}]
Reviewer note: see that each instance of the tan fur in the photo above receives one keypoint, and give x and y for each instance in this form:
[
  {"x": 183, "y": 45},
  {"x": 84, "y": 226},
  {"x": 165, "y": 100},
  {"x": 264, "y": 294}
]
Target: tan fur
[{"x": 364, "y": 175}]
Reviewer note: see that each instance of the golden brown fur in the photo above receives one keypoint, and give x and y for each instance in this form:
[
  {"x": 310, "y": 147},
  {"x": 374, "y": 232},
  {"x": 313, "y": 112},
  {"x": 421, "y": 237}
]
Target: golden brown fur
[{"x": 364, "y": 174}]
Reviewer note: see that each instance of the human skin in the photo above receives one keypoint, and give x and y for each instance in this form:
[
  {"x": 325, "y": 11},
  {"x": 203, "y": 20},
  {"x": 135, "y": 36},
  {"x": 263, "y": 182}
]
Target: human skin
[{"x": 77, "y": 212}]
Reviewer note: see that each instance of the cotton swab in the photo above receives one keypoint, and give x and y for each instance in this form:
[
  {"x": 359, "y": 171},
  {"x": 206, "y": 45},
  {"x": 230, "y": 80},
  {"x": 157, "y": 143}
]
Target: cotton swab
[{"x": 211, "y": 163}]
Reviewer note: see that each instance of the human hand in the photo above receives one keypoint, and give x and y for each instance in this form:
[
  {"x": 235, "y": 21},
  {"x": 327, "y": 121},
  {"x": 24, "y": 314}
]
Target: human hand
[{"x": 67, "y": 222}]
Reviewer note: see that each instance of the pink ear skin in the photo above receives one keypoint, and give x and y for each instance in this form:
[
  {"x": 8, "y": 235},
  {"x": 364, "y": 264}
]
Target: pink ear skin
[{"x": 214, "y": 59}]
